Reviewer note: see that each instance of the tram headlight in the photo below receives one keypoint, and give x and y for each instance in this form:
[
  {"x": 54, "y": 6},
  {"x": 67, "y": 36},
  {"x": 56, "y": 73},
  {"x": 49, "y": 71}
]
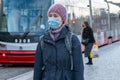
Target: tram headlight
[{"x": 3, "y": 54}]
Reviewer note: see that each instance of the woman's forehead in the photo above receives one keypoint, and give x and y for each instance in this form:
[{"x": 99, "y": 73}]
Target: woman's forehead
[{"x": 54, "y": 13}]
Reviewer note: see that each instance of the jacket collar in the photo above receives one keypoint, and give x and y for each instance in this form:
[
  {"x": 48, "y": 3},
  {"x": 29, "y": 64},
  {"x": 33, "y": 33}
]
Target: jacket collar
[{"x": 62, "y": 34}]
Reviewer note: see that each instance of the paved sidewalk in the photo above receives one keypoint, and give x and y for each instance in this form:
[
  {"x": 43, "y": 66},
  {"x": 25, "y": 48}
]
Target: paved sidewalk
[
  {"x": 106, "y": 67},
  {"x": 25, "y": 76}
]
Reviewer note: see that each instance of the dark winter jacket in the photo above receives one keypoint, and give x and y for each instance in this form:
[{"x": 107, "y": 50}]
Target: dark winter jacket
[
  {"x": 88, "y": 34},
  {"x": 56, "y": 59}
]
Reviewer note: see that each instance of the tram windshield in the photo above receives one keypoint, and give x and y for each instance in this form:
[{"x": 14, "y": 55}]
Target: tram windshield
[{"x": 23, "y": 15}]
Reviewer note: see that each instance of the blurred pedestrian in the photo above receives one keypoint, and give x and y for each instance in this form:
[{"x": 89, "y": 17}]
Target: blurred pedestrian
[
  {"x": 53, "y": 59},
  {"x": 87, "y": 40}
]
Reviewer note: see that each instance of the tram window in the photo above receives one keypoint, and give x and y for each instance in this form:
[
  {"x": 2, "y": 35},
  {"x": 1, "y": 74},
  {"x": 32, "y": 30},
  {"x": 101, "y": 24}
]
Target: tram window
[
  {"x": 21, "y": 14},
  {"x": 3, "y": 27}
]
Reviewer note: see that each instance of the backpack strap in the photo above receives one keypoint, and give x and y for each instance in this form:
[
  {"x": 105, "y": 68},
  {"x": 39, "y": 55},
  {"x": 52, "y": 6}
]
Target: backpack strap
[
  {"x": 68, "y": 43},
  {"x": 41, "y": 41},
  {"x": 42, "y": 46}
]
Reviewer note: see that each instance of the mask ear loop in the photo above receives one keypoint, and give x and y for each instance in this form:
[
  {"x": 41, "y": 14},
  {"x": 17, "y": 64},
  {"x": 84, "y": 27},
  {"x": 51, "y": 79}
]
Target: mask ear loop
[{"x": 62, "y": 23}]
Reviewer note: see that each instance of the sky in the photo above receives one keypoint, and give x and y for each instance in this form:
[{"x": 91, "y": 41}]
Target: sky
[
  {"x": 113, "y": 8},
  {"x": 117, "y": 1}
]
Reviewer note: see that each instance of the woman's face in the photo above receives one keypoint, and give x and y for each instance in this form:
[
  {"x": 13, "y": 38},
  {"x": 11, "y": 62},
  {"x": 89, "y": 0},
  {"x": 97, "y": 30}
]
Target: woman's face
[
  {"x": 56, "y": 16},
  {"x": 83, "y": 25}
]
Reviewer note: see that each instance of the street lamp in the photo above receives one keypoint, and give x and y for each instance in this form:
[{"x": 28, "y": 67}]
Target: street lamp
[
  {"x": 109, "y": 37},
  {"x": 90, "y": 8}
]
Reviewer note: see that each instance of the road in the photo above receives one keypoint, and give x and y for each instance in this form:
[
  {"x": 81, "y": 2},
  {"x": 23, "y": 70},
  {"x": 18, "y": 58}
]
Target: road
[{"x": 12, "y": 71}]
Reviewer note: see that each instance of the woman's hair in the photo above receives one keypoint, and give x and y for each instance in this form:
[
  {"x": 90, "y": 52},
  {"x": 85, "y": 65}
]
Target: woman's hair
[{"x": 86, "y": 24}]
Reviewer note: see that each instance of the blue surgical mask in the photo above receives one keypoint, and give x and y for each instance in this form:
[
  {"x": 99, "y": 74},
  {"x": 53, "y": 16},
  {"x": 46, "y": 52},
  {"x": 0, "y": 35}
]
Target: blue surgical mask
[{"x": 54, "y": 22}]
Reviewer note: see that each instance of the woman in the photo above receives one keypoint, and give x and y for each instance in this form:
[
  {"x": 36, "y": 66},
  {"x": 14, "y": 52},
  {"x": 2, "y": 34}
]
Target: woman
[
  {"x": 88, "y": 41},
  {"x": 54, "y": 57}
]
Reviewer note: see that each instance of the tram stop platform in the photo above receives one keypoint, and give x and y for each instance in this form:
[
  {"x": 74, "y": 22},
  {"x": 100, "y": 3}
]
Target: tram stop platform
[{"x": 105, "y": 67}]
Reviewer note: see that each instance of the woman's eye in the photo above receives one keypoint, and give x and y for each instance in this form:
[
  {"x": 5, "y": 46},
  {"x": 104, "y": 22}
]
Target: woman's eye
[
  {"x": 53, "y": 15},
  {"x": 50, "y": 15}
]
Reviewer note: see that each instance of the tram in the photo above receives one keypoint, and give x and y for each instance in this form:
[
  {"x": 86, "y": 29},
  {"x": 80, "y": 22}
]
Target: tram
[{"x": 22, "y": 22}]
